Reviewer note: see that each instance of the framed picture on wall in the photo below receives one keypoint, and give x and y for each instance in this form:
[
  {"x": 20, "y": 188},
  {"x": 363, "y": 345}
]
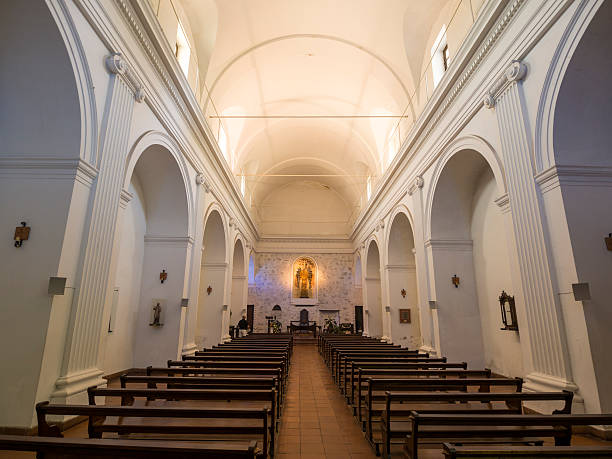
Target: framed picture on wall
[{"x": 404, "y": 316}]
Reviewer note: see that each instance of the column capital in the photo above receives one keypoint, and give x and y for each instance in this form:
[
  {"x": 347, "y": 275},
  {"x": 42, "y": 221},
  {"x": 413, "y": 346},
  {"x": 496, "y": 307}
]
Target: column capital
[
  {"x": 117, "y": 65},
  {"x": 516, "y": 71}
]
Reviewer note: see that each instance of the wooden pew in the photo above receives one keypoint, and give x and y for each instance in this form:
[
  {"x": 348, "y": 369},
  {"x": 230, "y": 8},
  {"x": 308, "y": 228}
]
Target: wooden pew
[
  {"x": 212, "y": 371},
  {"x": 78, "y": 448},
  {"x": 363, "y": 374},
  {"x": 195, "y": 382},
  {"x": 229, "y": 364},
  {"x": 343, "y": 356},
  {"x": 240, "y": 423},
  {"x": 399, "y": 406},
  {"x": 452, "y": 451},
  {"x": 243, "y": 360},
  {"x": 499, "y": 429},
  {"x": 358, "y": 367},
  {"x": 377, "y": 388},
  {"x": 267, "y": 397}
]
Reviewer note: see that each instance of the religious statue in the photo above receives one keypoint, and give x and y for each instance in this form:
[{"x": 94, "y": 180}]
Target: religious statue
[
  {"x": 304, "y": 281},
  {"x": 156, "y": 315}
]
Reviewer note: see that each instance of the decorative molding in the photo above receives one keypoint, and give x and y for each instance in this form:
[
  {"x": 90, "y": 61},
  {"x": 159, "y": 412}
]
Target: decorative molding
[
  {"x": 47, "y": 168},
  {"x": 176, "y": 241},
  {"x": 417, "y": 183},
  {"x": 201, "y": 179},
  {"x": 459, "y": 245},
  {"x": 516, "y": 71},
  {"x": 503, "y": 202},
  {"x": 438, "y": 105},
  {"x": 215, "y": 266},
  {"x": 117, "y": 65},
  {"x": 125, "y": 198},
  {"x": 574, "y": 175},
  {"x": 391, "y": 267}
]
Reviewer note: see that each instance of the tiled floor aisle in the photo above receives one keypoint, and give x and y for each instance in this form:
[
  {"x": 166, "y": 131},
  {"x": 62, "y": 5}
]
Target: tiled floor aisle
[{"x": 317, "y": 422}]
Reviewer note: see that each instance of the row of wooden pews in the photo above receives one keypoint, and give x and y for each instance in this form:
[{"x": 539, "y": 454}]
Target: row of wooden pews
[
  {"x": 412, "y": 405},
  {"x": 221, "y": 402}
]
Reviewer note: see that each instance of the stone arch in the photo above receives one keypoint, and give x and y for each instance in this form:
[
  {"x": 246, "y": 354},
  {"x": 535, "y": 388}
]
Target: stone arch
[
  {"x": 468, "y": 240},
  {"x": 555, "y": 77},
  {"x": 160, "y": 140},
  {"x": 472, "y": 143},
  {"x": 402, "y": 279},
  {"x": 212, "y": 301},
  {"x": 373, "y": 289},
  {"x": 41, "y": 37},
  {"x": 154, "y": 238},
  {"x": 575, "y": 140},
  {"x": 240, "y": 280}
]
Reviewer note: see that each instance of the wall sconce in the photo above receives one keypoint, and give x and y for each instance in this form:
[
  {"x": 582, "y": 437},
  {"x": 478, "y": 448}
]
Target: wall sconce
[
  {"x": 22, "y": 233},
  {"x": 209, "y": 290},
  {"x": 163, "y": 276},
  {"x": 508, "y": 311},
  {"x": 455, "y": 280},
  {"x": 403, "y": 292},
  {"x": 609, "y": 241}
]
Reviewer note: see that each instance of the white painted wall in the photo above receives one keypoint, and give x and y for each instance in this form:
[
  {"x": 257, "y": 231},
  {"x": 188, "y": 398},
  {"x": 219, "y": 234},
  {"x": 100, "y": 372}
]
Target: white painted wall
[
  {"x": 121, "y": 342},
  {"x": 502, "y": 348}
]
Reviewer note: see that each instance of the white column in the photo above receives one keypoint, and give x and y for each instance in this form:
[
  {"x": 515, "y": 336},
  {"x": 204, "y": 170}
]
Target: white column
[
  {"x": 541, "y": 325},
  {"x": 80, "y": 366}
]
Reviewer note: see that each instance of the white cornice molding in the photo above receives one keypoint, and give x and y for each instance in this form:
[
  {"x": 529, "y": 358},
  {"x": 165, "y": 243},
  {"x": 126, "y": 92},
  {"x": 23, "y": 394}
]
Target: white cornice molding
[
  {"x": 168, "y": 241},
  {"x": 458, "y": 245},
  {"x": 516, "y": 71},
  {"x": 391, "y": 267},
  {"x": 574, "y": 175},
  {"x": 47, "y": 168},
  {"x": 204, "y": 153},
  {"x": 471, "y": 56},
  {"x": 219, "y": 266}
]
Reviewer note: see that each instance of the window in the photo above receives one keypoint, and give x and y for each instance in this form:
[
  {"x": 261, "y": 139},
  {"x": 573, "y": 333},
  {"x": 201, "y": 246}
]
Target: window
[
  {"x": 369, "y": 187},
  {"x": 440, "y": 57},
  {"x": 445, "y": 57},
  {"x": 182, "y": 50},
  {"x": 242, "y": 184}
]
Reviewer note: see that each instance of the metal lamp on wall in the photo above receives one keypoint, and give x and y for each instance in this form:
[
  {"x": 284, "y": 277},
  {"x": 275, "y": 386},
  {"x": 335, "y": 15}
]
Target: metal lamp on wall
[{"x": 508, "y": 311}]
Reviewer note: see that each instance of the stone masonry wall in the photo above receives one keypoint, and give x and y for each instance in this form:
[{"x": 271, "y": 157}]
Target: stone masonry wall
[{"x": 272, "y": 286}]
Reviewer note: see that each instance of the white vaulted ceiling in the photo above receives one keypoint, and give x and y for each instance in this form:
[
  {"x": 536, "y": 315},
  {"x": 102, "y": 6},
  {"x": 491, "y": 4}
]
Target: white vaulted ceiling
[{"x": 307, "y": 91}]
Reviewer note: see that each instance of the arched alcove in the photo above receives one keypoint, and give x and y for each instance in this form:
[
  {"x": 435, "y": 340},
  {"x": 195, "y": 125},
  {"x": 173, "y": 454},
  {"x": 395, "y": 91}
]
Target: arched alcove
[
  {"x": 401, "y": 272},
  {"x": 239, "y": 283},
  {"x": 373, "y": 298},
  {"x": 468, "y": 239},
  {"x": 212, "y": 281},
  {"x": 582, "y": 139},
  {"x": 153, "y": 238},
  {"x": 40, "y": 127}
]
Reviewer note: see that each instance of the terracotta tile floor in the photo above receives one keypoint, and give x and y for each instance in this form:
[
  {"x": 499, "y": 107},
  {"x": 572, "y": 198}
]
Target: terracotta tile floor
[{"x": 317, "y": 422}]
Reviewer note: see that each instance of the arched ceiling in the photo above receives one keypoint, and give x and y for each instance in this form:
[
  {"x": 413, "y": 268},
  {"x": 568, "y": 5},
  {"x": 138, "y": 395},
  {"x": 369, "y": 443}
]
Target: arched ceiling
[{"x": 313, "y": 88}]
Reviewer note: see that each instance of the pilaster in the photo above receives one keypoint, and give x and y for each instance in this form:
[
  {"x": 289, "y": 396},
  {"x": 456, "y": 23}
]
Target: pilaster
[
  {"x": 80, "y": 366},
  {"x": 541, "y": 327}
]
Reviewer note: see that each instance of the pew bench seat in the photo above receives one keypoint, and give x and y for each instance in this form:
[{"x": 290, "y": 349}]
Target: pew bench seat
[{"x": 77, "y": 448}]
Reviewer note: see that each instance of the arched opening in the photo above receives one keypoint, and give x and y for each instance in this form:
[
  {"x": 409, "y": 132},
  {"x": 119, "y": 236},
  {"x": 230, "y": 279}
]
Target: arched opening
[
  {"x": 211, "y": 298},
  {"x": 468, "y": 239},
  {"x": 582, "y": 140},
  {"x": 239, "y": 284},
  {"x": 403, "y": 294},
  {"x": 372, "y": 296},
  {"x": 40, "y": 122},
  {"x": 358, "y": 294},
  {"x": 153, "y": 240}
]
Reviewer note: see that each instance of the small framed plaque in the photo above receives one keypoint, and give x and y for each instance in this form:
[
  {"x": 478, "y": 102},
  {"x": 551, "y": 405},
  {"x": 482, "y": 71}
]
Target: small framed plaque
[{"x": 404, "y": 315}]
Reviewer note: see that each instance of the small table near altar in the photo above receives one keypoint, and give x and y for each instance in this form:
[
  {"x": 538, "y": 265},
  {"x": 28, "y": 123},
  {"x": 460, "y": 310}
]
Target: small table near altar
[{"x": 298, "y": 325}]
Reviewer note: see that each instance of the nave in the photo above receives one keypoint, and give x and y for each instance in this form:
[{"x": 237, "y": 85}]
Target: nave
[{"x": 349, "y": 396}]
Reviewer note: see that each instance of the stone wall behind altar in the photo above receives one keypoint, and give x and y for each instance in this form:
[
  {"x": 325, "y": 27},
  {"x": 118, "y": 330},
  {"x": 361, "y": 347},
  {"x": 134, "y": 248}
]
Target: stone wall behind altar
[{"x": 273, "y": 277}]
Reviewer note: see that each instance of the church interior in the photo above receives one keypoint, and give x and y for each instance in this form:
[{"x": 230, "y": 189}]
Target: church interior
[{"x": 306, "y": 228}]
